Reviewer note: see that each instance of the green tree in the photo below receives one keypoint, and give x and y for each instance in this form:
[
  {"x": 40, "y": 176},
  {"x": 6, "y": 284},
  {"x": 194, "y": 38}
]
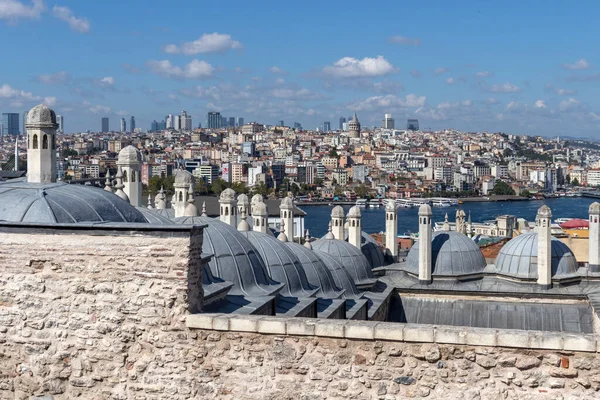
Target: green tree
[
  {"x": 508, "y": 153},
  {"x": 525, "y": 193},
  {"x": 318, "y": 182},
  {"x": 261, "y": 189},
  {"x": 333, "y": 153},
  {"x": 575, "y": 182},
  {"x": 502, "y": 188},
  {"x": 361, "y": 191},
  {"x": 218, "y": 186},
  {"x": 239, "y": 187},
  {"x": 338, "y": 191},
  {"x": 201, "y": 187},
  {"x": 154, "y": 184}
]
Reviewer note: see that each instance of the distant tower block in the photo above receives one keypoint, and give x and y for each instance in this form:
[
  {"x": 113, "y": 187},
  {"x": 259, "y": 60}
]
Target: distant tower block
[
  {"x": 228, "y": 212},
  {"x": 337, "y": 222},
  {"x": 391, "y": 229},
  {"x": 544, "y": 256},
  {"x": 354, "y": 226},
  {"x": 425, "y": 244},
  {"x": 41, "y": 146},
  {"x": 286, "y": 209},
  {"x": 594, "y": 238}
]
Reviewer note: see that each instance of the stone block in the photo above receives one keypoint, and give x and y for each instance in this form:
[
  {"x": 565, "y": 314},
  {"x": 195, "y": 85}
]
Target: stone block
[
  {"x": 243, "y": 324},
  {"x": 221, "y": 323},
  {"x": 451, "y": 335},
  {"x": 359, "y": 330},
  {"x": 545, "y": 340},
  {"x": 481, "y": 337},
  {"x": 512, "y": 338},
  {"x": 418, "y": 333},
  {"x": 200, "y": 321},
  {"x": 273, "y": 325},
  {"x": 573, "y": 342},
  {"x": 330, "y": 328},
  {"x": 300, "y": 327},
  {"x": 389, "y": 331}
]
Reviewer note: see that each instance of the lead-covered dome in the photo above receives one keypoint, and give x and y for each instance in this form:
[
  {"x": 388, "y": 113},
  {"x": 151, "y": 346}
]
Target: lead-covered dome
[
  {"x": 41, "y": 116},
  {"x": 519, "y": 257},
  {"x": 350, "y": 257},
  {"x": 234, "y": 259},
  {"x": 183, "y": 178},
  {"x": 452, "y": 253},
  {"x": 63, "y": 203},
  {"x": 340, "y": 275},
  {"x": 129, "y": 155}
]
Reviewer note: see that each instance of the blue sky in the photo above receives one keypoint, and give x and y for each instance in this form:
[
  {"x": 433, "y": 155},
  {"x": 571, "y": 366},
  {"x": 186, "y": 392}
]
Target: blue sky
[{"x": 526, "y": 67}]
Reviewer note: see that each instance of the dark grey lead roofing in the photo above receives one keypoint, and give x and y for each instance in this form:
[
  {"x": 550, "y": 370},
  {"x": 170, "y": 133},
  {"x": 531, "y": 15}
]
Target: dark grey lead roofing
[
  {"x": 351, "y": 258},
  {"x": 282, "y": 265},
  {"x": 153, "y": 217},
  {"x": 340, "y": 275},
  {"x": 573, "y": 318},
  {"x": 234, "y": 258},
  {"x": 452, "y": 253},
  {"x": 370, "y": 248},
  {"x": 59, "y": 202},
  {"x": 518, "y": 257}
]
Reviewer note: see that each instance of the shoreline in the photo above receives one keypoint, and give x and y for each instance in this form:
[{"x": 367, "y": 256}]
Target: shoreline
[{"x": 464, "y": 200}]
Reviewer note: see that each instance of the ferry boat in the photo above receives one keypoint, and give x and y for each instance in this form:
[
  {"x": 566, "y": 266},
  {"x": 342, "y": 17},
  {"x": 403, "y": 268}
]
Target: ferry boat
[
  {"x": 443, "y": 202},
  {"x": 361, "y": 202},
  {"x": 374, "y": 203}
]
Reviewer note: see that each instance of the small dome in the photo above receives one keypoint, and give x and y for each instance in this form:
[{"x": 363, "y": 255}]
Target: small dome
[
  {"x": 154, "y": 217},
  {"x": 129, "y": 155},
  {"x": 390, "y": 205},
  {"x": 544, "y": 211},
  {"x": 519, "y": 257},
  {"x": 183, "y": 179},
  {"x": 316, "y": 271},
  {"x": 282, "y": 264},
  {"x": 257, "y": 198},
  {"x": 243, "y": 199},
  {"x": 286, "y": 202},
  {"x": 41, "y": 116},
  {"x": 234, "y": 258},
  {"x": 337, "y": 212},
  {"x": 227, "y": 195},
  {"x": 595, "y": 208},
  {"x": 341, "y": 277},
  {"x": 350, "y": 257},
  {"x": 452, "y": 253},
  {"x": 190, "y": 210},
  {"x": 354, "y": 212},
  {"x": 425, "y": 210},
  {"x": 369, "y": 247},
  {"x": 259, "y": 209}
]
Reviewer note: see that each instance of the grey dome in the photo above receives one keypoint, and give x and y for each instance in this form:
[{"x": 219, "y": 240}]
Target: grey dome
[
  {"x": 234, "y": 258},
  {"x": 370, "y": 248},
  {"x": 243, "y": 199},
  {"x": 183, "y": 178},
  {"x": 337, "y": 212},
  {"x": 350, "y": 257},
  {"x": 518, "y": 257},
  {"x": 153, "y": 216},
  {"x": 129, "y": 155},
  {"x": 257, "y": 198},
  {"x": 452, "y": 253},
  {"x": 354, "y": 212},
  {"x": 341, "y": 277},
  {"x": 60, "y": 202},
  {"x": 282, "y": 265},
  {"x": 41, "y": 116},
  {"x": 168, "y": 213},
  {"x": 317, "y": 272},
  {"x": 286, "y": 202},
  {"x": 227, "y": 195}
]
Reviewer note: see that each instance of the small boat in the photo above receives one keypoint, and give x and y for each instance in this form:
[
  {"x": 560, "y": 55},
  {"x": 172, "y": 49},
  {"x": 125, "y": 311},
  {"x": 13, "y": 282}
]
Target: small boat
[
  {"x": 374, "y": 203},
  {"x": 361, "y": 202}
]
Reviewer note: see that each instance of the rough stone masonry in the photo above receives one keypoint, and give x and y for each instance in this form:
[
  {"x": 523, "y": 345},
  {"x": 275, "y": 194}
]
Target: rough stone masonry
[{"x": 101, "y": 314}]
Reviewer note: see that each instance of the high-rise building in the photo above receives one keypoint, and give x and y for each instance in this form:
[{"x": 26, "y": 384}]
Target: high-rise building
[
  {"x": 240, "y": 122},
  {"x": 412, "y": 125},
  {"x": 123, "y": 125},
  {"x": 24, "y": 130},
  {"x": 231, "y": 123},
  {"x": 153, "y": 126},
  {"x": 10, "y": 124},
  {"x": 104, "y": 125},
  {"x": 223, "y": 122},
  {"x": 327, "y": 126},
  {"x": 342, "y": 122},
  {"x": 132, "y": 124},
  {"x": 388, "y": 122},
  {"x": 213, "y": 120},
  {"x": 60, "y": 120},
  {"x": 297, "y": 125},
  {"x": 169, "y": 121},
  {"x": 280, "y": 123},
  {"x": 186, "y": 121},
  {"x": 162, "y": 125},
  {"x": 177, "y": 122}
]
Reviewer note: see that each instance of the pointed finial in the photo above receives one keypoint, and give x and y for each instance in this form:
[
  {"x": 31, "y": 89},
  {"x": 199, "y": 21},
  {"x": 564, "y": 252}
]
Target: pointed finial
[
  {"x": 108, "y": 183},
  {"x": 150, "y": 201},
  {"x": 282, "y": 236},
  {"x": 329, "y": 232},
  {"x": 307, "y": 240},
  {"x": 190, "y": 194},
  {"x": 243, "y": 226},
  {"x": 204, "y": 209}
]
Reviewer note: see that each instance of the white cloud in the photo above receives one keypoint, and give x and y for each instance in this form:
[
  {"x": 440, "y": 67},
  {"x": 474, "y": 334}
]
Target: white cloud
[
  {"x": 405, "y": 40},
  {"x": 58, "y": 77},
  {"x": 513, "y": 105},
  {"x": 441, "y": 70},
  {"x": 194, "y": 70},
  {"x": 279, "y": 81},
  {"x": 505, "y": 88},
  {"x": 8, "y": 92},
  {"x": 13, "y": 10},
  {"x": 123, "y": 113},
  {"x": 81, "y": 25},
  {"x": 559, "y": 91},
  {"x": 595, "y": 117},
  {"x": 569, "y": 104},
  {"x": 207, "y": 43},
  {"x": 540, "y": 104},
  {"x": 50, "y": 101},
  {"x": 450, "y": 81},
  {"x": 99, "y": 109},
  {"x": 379, "y": 102},
  {"x": 483, "y": 74},
  {"x": 276, "y": 70},
  {"x": 107, "y": 81},
  {"x": 577, "y": 65},
  {"x": 349, "y": 67}
]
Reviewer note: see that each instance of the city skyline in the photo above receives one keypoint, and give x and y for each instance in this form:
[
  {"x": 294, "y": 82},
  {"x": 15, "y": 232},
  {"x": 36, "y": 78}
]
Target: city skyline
[{"x": 460, "y": 67}]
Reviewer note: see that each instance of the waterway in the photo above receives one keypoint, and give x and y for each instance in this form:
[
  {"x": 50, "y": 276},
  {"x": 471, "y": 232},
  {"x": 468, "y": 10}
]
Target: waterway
[{"x": 373, "y": 219}]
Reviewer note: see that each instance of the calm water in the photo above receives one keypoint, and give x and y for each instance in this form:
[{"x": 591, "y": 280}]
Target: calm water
[{"x": 373, "y": 219}]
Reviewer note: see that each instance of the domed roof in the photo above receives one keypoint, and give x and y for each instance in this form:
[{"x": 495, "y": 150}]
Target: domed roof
[
  {"x": 259, "y": 209},
  {"x": 350, "y": 257},
  {"x": 390, "y": 205},
  {"x": 243, "y": 199},
  {"x": 286, "y": 202},
  {"x": 234, "y": 258},
  {"x": 257, "y": 198},
  {"x": 337, "y": 212},
  {"x": 544, "y": 211},
  {"x": 63, "y": 203},
  {"x": 153, "y": 216},
  {"x": 41, "y": 116},
  {"x": 183, "y": 178},
  {"x": 354, "y": 212},
  {"x": 341, "y": 277},
  {"x": 317, "y": 273},
  {"x": 452, "y": 253},
  {"x": 369, "y": 247},
  {"x": 425, "y": 210},
  {"x": 595, "y": 208},
  {"x": 518, "y": 257},
  {"x": 129, "y": 155},
  {"x": 282, "y": 264},
  {"x": 227, "y": 195}
]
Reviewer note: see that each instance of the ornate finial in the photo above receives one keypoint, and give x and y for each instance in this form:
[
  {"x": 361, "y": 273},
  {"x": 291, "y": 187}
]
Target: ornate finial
[
  {"x": 108, "y": 183},
  {"x": 446, "y": 224},
  {"x": 119, "y": 186},
  {"x": 282, "y": 236},
  {"x": 243, "y": 226},
  {"x": 150, "y": 201},
  {"x": 307, "y": 240},
  {"x": 190, "y": 194},
  {"x": 329, "y": 232},
  {"x": 204, "y": 209}
]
